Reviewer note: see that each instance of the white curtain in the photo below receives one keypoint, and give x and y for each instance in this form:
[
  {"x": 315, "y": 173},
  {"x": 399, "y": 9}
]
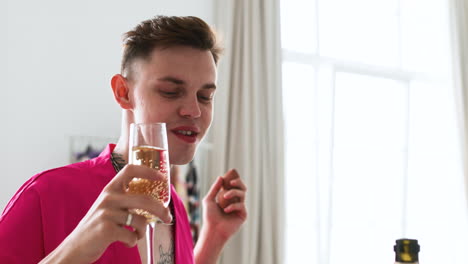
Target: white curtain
[
  {"x": 459, "y": 26},
  {"x": 247, "y": 132}
]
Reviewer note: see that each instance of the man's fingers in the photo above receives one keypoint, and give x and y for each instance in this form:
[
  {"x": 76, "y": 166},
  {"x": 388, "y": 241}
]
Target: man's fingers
[
  {"x": 228, "y": 177},
  {"x": 139, "y": 225},
  {"x": 128, "y": 201},
  {"x": 119, "y": 218},
  {"x": 146, "y": 203},
  {"x": 214, "y": 189},
  {"x": 235, "y": 193},
  {"x": 121, "y": 180},
  {"x": 126, "y": 236},
  {"x": 238, "y": 208},
  {"x": 238, "y": 183}
]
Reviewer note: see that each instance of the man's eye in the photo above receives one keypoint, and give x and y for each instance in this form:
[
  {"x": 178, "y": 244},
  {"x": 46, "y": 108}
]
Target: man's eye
[
  {"x": 206, "y": 98},
  {"x": 169, "y": 94}
]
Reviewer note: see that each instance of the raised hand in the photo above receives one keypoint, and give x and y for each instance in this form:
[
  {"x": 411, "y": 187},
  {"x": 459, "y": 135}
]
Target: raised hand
[
  {"x": 224, "y": 205},
  {"x": 223, "y": 215}
]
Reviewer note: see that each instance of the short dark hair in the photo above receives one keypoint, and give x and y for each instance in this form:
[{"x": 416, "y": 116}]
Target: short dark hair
[{"x": 165, "y": 32}]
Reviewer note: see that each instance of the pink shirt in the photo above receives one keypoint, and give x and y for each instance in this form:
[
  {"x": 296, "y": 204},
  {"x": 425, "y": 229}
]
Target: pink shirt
[{"x": 50, "y": 205}]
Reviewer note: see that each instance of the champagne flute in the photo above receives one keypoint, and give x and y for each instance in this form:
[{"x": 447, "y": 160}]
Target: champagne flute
[{"x": 148, "y": 147}]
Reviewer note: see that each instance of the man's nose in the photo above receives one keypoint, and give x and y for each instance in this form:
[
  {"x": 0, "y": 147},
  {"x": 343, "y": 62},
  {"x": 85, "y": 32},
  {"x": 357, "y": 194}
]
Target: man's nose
[{"x": 190, "y": 108}]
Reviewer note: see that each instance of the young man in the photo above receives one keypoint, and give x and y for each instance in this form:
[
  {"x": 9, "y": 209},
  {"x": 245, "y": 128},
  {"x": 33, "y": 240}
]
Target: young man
[{"x": 80, "y": 213}]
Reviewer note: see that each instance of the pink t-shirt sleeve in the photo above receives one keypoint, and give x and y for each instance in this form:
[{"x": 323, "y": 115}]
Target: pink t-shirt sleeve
[{"x": 21, "y": 238}]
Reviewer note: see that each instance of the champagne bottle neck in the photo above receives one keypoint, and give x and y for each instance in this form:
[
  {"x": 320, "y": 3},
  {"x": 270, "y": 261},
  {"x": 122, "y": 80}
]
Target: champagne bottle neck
[{"x": 406, "y": 251}]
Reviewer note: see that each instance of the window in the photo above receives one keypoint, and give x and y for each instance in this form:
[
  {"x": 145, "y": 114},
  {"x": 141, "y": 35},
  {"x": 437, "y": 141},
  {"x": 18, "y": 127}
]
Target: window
[{"x": 371, "y": 140}]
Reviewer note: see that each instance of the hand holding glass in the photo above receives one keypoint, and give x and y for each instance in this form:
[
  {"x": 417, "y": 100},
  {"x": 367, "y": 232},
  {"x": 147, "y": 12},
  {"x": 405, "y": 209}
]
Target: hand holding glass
[{"x": 148, "y": 147}]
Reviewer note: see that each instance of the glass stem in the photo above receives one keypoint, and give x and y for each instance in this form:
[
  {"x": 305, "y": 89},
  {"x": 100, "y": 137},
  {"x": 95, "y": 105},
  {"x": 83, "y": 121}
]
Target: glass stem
[{"x": 150, "y": 243}]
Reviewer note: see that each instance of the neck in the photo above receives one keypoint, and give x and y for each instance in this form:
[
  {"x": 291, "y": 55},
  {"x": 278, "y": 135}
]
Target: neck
[{"x": 121, "y": 147}]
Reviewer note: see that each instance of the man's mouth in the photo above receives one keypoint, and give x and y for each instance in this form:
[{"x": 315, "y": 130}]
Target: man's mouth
[{"x": 186, "y": 134}]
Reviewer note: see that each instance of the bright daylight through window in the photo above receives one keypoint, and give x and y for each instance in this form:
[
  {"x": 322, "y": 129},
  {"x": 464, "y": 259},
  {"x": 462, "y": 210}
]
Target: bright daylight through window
[{"x": 372, "y": 151}]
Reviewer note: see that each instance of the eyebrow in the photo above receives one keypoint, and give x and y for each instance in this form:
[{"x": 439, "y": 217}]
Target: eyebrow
[{"x": 182, "y": 82}]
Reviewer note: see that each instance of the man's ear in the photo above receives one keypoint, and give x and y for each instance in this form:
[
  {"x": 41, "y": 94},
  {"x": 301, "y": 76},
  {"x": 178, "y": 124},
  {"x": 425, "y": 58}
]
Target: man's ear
[{"x": 121, "y": 90}]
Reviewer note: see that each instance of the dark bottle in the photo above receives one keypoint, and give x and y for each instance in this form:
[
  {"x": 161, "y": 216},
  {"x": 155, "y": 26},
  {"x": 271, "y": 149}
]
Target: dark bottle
[{"x": 406, "y": 251}]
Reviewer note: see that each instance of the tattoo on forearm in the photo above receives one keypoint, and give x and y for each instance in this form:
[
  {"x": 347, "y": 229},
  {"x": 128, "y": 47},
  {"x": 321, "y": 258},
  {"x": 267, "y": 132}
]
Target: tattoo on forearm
[{"x": 168, "y": 256}]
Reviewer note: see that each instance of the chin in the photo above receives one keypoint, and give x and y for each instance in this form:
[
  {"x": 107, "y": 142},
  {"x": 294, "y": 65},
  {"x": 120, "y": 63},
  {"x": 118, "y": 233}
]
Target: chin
[
  {"x": 181, "y": 158},
  {"x": 181, "y": 161}
]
